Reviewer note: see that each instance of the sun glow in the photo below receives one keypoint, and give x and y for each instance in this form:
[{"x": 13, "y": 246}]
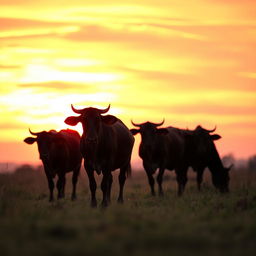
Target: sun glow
[
  {"x": 150, "y": 60},
  {"x": 40, "y": 73}
]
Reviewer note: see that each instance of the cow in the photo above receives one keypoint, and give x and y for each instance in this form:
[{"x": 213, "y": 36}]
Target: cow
[
  {"x": 106, "y": 145},
  {"x": 176, "y": 149},
  {"x": 157, "y": 150},
  {"x": 202, "y": 153},
  {"x": 60, "y": 154}
]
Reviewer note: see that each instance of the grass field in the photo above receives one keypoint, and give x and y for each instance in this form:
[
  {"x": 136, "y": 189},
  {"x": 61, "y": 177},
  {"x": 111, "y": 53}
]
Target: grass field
[{"x": 205, "y": 223}]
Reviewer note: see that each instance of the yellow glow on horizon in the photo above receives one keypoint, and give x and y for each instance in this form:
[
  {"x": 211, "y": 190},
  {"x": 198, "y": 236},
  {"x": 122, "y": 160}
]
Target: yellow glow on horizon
[
  {"x": 189, "y": 63},
  {"x": 41, "y": 73}
]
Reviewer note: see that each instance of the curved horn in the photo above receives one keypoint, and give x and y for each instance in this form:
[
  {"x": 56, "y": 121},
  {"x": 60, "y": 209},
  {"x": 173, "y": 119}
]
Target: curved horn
[
  {"x": 78, "y": 111},
  {"x": 134, "y": 124},
  {"x": 103, "y": 111},
  {"x": 159, "y": 124},
  {"x": 211, "y": 130},
  {"x": 33, "y": 133}
]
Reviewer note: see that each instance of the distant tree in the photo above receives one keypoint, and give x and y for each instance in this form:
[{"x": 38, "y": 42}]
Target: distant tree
[
  {"x": 25, "y": 169},
  {"x": 252, "y": 163},
  {"x": 39, "y": 168},
  {"x": 228, "y": 159}
]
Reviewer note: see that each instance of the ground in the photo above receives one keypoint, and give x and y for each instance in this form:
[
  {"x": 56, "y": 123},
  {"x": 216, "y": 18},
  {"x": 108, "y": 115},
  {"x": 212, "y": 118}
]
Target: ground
[{"x": 198, "y": 223}]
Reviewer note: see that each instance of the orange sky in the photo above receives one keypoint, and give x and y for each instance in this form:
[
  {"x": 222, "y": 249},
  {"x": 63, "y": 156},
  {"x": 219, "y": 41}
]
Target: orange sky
[{"x": 191, "y": 62}]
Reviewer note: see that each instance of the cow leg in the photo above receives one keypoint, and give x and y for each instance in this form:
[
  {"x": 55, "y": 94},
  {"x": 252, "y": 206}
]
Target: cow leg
[
  {"x": 181, "y": 175},
  {"x": 74, "y": 182},
  {"x": 93, "y": 187},
  {"x": 109, "y": 187},
  {"x": 160, "y": 180},
  {"x": 151, "y": 182},
  {"x": 61, "y": 186},
  {"x": 105, "y": 188},
  {"x": 121, "y": 178},
  {"x": 50, "y": 185},
  {"x": 199, "y": 178}
]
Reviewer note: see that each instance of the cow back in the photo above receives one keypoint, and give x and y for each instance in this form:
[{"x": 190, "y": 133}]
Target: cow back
[
  {"x": 115, "y": 146},
  {"x": 176, "y": 140},
  {"x": 65, "y": 150}
]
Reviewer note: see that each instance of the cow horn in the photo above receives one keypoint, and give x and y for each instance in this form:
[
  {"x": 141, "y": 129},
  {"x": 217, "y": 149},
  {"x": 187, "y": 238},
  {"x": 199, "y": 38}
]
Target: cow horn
[
  {"x": 159, "y": 124},
  {"x": 33, "y": 133},
  {"x": 136, "y": 125},
  {"x": 211, "y": 130},
  {"x": 78, "y": 111},
  {"x": 103, "y": 111}
]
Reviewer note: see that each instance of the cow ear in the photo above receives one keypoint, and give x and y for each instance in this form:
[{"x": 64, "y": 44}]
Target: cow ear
[
  {"x": 30, "y": 140},
  {"x": 109, "y": 119},
  {"x": 134, "y": 131},
  {"x": 162, "y": 131},
  {"x": 215, "y": 137},
  {"x": 72, "y": 120}
]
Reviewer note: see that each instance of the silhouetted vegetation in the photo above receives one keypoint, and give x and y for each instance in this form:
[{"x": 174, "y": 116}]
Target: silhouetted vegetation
[
  {"x": 252, "y": 163},
  {"x": 228, "y": 159},
  {"x": 198, "y": 223}
]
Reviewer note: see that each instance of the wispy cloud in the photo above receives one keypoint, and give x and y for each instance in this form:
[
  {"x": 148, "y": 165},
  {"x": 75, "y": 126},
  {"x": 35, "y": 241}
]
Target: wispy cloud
[
  {"x": 8, "y": 24},
  {"x": 52, "y": 85},
  {"x": 251, "y": 75},
  {"x": 10, "y": 67}
]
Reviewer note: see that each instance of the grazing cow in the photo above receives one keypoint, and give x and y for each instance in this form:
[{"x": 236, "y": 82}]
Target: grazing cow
[
  {"x": 176, "y": 149},
  {"x": 106, "y": 145},
  {"x": 202, "y": 153},
  {"x": 60, "y": 153}
]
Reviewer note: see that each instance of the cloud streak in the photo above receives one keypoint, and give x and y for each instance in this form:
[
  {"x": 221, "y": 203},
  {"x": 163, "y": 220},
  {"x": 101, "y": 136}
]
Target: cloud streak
[
  {"x": 4, "y": 67},
  {"x": 57, "y": 85}
]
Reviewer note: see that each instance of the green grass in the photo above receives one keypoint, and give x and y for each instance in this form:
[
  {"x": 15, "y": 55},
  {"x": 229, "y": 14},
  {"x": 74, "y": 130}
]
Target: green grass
[{"x": 205, "y": 223}]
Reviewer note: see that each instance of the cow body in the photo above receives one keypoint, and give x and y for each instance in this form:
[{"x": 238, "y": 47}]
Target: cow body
[
  {"x": 202, "y": 153},
  {"x": 162, "y": 148},
  {"x": 106, "y": 145},
  {"x": 177, "y": 149},
  {"x": 60, "y": 154}
]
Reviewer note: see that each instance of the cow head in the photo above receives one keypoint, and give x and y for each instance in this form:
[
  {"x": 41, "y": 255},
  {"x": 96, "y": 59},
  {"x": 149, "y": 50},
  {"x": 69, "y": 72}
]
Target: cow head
[
  {"x": 92, "y": 122},
  {"x": 206, "y": 150},
  {"x": 148, "y": 130},
  {"x": 203, "y": 141},
  {"x": 221, "y": 181},
  {"x": 149, "y": 133},
  {"x": 44, "y": 140}
]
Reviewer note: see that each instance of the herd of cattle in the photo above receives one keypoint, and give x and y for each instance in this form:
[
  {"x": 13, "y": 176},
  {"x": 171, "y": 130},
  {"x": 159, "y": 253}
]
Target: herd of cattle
[{"x": 106, "y": 145}]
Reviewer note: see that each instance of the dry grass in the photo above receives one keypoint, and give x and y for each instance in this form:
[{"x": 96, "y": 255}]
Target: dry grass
[{"x": 198, "y": 223}]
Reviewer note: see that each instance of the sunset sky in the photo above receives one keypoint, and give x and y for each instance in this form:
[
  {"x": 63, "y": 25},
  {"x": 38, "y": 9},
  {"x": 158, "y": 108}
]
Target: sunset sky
[{"x": 190, "y": 62}]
